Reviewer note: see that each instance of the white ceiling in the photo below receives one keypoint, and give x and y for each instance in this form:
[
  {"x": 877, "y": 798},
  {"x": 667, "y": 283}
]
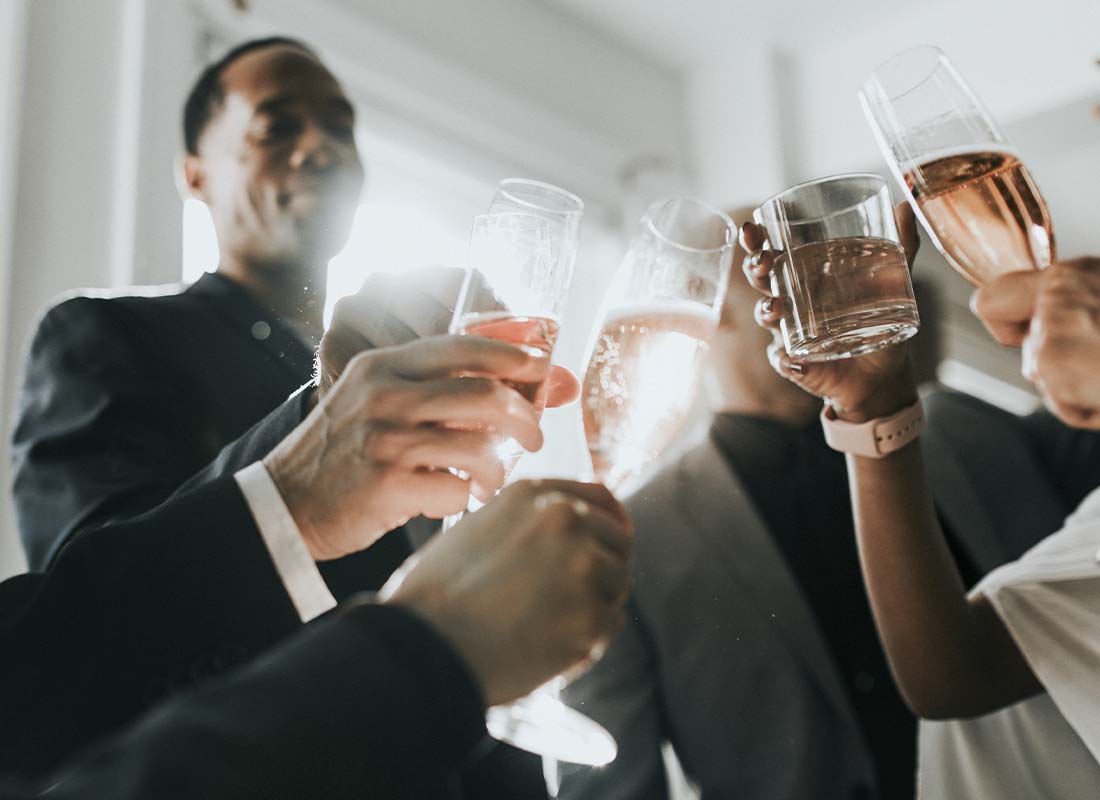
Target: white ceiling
[{"x": 684, "y": 33}]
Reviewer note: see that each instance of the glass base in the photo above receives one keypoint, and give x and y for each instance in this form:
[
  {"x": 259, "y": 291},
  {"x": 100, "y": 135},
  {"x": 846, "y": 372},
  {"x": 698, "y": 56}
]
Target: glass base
[
  {"x": 852, "y": 343},
  {"x": 542, "y": 724}
]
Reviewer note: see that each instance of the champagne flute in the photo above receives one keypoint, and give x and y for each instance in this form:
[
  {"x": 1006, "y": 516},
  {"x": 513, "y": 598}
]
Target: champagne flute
[
  {"x": 658, "y": 315},
  {"x": 515, "y": 289},
  {"x": 562, "y": 210},
  {"x": 965, "y": 182}
]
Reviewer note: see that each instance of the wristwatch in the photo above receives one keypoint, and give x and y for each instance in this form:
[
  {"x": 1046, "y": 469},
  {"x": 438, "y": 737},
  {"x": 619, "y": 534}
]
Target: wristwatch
[{"x": 875, "y": 438}]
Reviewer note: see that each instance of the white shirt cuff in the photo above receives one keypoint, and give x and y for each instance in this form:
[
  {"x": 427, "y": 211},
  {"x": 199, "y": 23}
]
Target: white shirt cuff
[{"x": 295, "y": 566}]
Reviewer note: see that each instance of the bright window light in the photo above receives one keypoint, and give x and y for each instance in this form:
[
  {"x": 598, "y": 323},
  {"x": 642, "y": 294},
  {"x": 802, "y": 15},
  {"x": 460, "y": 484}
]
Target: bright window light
[
  {"x": 385, "y": 237},
  {"x": 200, "y": 244}
]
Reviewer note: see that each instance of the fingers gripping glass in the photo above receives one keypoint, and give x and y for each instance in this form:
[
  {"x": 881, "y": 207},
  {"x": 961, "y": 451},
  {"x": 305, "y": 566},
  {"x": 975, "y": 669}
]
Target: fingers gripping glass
[
  {"x": 839, "y": 267},
  {"x": 965, "y": 182}
]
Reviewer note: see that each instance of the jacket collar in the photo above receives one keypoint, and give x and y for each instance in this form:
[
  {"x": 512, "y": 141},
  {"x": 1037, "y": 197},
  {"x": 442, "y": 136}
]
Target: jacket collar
[{"x": 235, "y": 304}]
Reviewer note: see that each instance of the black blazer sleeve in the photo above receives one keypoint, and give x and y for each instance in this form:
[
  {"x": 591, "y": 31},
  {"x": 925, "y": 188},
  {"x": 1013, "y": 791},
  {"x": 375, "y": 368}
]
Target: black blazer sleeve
[
  {"x": 98, "y": 434},
  {"x": 128, "y": 615},
  {"x": 367, "y": 704}
]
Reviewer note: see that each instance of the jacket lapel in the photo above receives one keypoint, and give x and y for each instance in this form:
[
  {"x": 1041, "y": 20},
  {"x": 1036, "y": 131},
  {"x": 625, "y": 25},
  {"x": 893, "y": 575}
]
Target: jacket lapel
[
  {"x": 714, "y": 500},
  {"x": 275, "y": 338}
]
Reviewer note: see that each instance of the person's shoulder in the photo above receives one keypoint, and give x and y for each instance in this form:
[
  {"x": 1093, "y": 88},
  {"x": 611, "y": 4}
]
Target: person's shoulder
[
  {"x": 102, "y": 302},
  {"x": 943, "y": 403}
]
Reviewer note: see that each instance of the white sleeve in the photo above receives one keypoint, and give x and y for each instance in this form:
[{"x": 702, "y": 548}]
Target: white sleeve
[
  {"x": 293, "y": 563},
  {"x": 1050, "y": 602}
]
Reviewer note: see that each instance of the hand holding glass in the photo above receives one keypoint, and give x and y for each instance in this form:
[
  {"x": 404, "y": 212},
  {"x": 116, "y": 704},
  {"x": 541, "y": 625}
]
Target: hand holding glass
[{"x": 839, "y": 267}]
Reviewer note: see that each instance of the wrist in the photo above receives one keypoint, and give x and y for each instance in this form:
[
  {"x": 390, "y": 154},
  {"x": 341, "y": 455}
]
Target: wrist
[
  {"x": 881, "y": 404},
  {"x": 293, "y": 497}
]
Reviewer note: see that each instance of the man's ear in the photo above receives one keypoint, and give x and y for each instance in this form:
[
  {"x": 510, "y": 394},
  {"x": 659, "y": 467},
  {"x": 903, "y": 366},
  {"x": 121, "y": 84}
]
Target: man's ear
[{"x": 191, "y": 175}]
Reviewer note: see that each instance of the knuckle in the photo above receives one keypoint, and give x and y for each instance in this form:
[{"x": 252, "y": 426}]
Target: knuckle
[{"x": 557, "y": 514}]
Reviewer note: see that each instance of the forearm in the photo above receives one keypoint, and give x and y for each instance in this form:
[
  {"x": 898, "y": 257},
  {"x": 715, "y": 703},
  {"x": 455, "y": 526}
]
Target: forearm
[
  {"x": 951, "y": 657},
  {"x": 370, "y": 704}
]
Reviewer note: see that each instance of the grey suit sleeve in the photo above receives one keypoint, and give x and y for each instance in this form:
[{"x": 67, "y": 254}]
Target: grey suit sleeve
[{"x": 621, "y": 693}]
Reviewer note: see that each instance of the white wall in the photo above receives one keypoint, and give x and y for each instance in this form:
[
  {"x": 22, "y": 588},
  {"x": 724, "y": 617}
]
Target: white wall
[{"x": 780, "y": 106}]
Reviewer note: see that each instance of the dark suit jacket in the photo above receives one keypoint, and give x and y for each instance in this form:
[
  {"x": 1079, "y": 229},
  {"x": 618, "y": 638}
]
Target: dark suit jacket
[
  {"x": 130, "y": 400},
  {"x": 128, "y": 615},
  {"x": 367, "y": 703},
  {"x": 127, "y": 397},
  {"x": 721, "y": 655}
]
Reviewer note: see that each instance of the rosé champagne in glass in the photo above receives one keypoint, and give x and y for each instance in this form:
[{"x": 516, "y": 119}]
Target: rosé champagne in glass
[
  {"x": 514, "y": 291},
  {"x": 965, "y": 182},
  {"x": 659, "y": 314}
]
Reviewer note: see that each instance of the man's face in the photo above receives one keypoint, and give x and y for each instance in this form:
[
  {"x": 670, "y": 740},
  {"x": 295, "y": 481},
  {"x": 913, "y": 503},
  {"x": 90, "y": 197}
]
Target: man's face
[{"x": 277, "y": 163}]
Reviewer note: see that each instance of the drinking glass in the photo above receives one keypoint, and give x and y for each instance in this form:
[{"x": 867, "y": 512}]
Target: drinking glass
[
  {"x": 516, "y": 285},
  {"x": 562, "y": 210},
  {"x": 514, "y": 291},
  {"x": 839, "y": 268},
  {"x": 659, "y": 313},
  {"x": 965, "y": 182}
]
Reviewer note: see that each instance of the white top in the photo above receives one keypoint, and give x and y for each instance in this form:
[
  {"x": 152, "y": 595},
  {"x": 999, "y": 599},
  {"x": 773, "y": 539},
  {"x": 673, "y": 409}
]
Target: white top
[
  {"x": 293, "y": 562},
  {"x": 1048, "y": 746}
]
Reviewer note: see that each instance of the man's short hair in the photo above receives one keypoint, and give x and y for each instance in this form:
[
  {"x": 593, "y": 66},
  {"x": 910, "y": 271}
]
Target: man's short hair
[{"x": 207, "y": 96}]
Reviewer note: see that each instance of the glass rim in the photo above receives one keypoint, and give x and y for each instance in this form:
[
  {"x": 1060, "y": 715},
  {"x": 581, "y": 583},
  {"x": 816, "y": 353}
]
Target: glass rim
[
  {"x": 647, "y": 222},
  {"x": 840, "y": 176},
  {"x": 568, "y": 195},
  {"x": 488, "y": 215},
  {"x": 940, "y": 59}
]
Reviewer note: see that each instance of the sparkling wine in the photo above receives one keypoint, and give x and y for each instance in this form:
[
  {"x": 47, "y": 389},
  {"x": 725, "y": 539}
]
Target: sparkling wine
[
  {"x": 986, "y": 212},
  {"x": 844, "y": 297},
  {"x": 640, "y": 384},
  {"x": 536, "y": 333}
]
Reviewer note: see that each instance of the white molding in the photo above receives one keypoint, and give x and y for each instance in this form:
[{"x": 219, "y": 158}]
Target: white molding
[
  {"x": 13, "y": 35},
  {"x": 163, "y": 55}
]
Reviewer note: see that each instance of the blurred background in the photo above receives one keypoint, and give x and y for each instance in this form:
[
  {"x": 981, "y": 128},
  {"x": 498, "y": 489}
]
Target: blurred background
[{"x": 620, "y": 101}]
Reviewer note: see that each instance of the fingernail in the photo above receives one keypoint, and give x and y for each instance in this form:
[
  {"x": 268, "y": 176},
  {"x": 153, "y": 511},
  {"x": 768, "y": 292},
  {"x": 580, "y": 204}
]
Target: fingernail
[{"x": 766, "y": 305}]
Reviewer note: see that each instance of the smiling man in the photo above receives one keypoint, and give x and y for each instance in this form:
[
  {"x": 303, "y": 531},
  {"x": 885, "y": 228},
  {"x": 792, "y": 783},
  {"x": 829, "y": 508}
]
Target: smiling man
[{"x": 126, "y": 397}]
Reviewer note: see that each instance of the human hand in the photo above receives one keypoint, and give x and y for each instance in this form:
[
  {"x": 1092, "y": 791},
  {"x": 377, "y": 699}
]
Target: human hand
[
  {"x": 1054, "y": 315},
  {"x": 376, "y": 450},
  {"x": 858, "y": 389},
  {"x": 527, "y": 587},
  {"x": 396, "y": 309}
]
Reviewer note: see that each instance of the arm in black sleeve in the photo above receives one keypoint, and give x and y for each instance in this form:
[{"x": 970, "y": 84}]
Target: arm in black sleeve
[
  {"x": 93, "y": 439},
  {"x": 128, "y": 614},
  {"x": 96, "y": 441},
  {"x": 369, "y": 703}
]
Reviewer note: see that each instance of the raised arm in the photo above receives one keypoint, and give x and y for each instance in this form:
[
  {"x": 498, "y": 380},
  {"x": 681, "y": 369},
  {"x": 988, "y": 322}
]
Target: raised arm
[{"x": 951, "y": 656}]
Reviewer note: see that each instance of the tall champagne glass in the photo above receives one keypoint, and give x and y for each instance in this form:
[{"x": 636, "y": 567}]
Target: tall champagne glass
[
  {"x": 514, "y": 291},
  {"x": 515, "y": 288},
  {"x": 658, "y": 315},
  {"x": 965, "y": 182}
]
